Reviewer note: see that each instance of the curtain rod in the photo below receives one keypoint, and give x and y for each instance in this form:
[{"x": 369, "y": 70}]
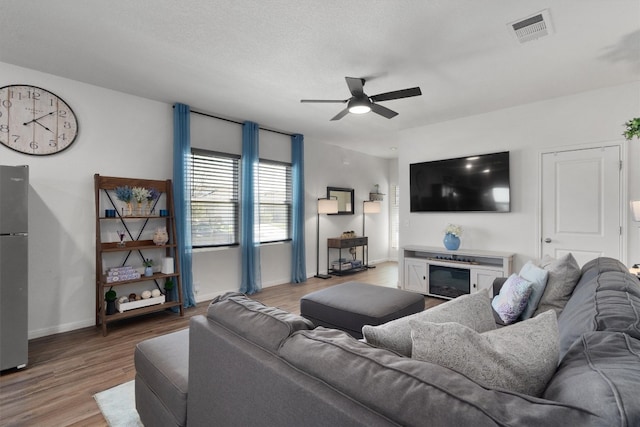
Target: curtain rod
[{"x": 234, "y": 121}]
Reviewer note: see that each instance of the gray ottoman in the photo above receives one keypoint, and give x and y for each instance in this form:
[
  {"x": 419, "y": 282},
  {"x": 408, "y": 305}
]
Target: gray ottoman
[
  {"x": 352, "y": 305},
  {"x": 162, "y": 376}
]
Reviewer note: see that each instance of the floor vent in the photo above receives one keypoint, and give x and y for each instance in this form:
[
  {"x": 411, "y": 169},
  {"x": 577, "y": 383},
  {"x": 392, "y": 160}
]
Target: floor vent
[{"x": 532, "y": 27}]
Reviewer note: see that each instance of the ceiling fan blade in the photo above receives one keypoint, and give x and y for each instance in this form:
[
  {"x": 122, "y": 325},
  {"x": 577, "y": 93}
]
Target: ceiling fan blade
[
  {"x": 383, "y": 111},
  {"x": 397, "y": 94},
  {"x": 356, "y": 86},
  {"x": 340, "y": 115},
  {"x": 342, "y": 101}
]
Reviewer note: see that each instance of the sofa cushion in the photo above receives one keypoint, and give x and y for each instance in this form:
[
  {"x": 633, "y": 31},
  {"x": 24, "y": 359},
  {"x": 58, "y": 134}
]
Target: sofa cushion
[
  {"x": 598, "y": 266},
  {"x": 265, "y": 326},
  {"x": 608, "y": 301},
  {"x": 512, "y": 299},
  {"x": 521, "y": 357},
  {"x": 162, "y": 377},
  {"x": 473, "y": 310},
  {"x": 415, "y": 393},
  {"x": 538, "y": 278},
  {"x": 601, "y": 372},
  {"x": 564, "y": 273}
]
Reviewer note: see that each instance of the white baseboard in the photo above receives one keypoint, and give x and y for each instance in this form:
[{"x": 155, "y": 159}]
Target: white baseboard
[{"x": 57, "y": 329}]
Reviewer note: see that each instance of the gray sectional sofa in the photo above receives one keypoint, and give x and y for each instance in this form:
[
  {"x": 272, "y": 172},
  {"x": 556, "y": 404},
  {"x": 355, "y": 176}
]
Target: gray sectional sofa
[{"x": 252, "y": 365}]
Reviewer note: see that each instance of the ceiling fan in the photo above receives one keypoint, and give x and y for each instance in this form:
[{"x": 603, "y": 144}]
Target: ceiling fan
[{"x": 361, "y": 103}]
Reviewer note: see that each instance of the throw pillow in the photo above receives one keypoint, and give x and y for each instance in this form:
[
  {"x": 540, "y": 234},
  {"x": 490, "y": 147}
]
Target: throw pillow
[
  {"x": 564, "y": 273},
  {"x": 512, "y": 299},
  {"x": 473, "y": 311},
  {"x": 538, "y": 278},
  {"x": 521, "y": 357}
]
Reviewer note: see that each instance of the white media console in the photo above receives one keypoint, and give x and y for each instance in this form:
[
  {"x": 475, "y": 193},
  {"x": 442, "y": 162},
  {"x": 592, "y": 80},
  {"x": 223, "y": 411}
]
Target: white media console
[{"x": 447, "y": 274}]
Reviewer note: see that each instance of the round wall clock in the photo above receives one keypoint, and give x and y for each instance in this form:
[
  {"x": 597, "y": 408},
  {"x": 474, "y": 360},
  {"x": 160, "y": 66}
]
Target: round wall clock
[{"x": 35, "y": 121}]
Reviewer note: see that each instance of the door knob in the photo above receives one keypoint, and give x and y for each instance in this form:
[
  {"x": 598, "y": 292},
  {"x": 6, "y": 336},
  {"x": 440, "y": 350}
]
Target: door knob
[{"x": 547, "y": 240}]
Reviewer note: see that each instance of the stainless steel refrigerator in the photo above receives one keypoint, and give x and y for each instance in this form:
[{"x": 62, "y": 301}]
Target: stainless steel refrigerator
[{"x": 14, "y": 190}]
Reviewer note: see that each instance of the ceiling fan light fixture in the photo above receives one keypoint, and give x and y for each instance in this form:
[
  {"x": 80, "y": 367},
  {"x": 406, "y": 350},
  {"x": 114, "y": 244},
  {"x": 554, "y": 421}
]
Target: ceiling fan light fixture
[{"x": 359, "y": 106}]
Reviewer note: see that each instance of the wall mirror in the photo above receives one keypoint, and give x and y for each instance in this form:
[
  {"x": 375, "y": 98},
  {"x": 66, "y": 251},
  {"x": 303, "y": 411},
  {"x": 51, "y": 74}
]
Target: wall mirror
[{"x": 344, "y": 197}]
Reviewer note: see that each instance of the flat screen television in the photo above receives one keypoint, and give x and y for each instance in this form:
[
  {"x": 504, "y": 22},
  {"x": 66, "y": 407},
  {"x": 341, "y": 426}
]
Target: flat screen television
[{"x": 465, "y": 184}]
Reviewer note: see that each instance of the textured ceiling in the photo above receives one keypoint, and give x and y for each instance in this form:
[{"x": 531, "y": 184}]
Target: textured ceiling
[{"x": 255, "y": 60}]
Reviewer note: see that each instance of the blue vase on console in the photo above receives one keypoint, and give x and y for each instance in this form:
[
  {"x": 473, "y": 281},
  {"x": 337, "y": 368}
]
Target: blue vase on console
[{"x": 451, "y": 242}]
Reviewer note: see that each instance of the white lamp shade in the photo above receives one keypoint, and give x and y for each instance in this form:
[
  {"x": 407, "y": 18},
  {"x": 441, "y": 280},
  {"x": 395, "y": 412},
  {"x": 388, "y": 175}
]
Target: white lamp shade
[
  {"x": 372, "y": 207},
  {"x": 327, "y": 206},
  {"x": 635, "y": 210}
]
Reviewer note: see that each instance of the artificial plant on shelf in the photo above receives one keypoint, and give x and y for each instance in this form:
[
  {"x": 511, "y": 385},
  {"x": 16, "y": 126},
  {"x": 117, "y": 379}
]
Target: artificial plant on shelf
[
  {"x": 168, "y": 289},
  {"x": 148, "y": 267},
  {"x": 140, "y": 194},
  {"x": 453, "y": 229},
  {"x": 110, "y": 296},
  {"x": 125, "y": 194},
  {"x": 152, "y": 195},
  {"x": 632, "y": 129}
]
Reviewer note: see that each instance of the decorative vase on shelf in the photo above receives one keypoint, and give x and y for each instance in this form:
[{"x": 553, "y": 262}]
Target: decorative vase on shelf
[
  {"x": 111, "y": 308},
  {"x": 451, "y": 242},
  {"x": 148, "y": 271},
  {"x": 160, "y": 237},
  {"x": 127, "y": 210}
]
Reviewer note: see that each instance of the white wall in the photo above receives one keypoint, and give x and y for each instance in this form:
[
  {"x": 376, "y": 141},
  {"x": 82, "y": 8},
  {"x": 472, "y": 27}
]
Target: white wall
[
  {"x": 587, "y": 118},
  {"x": 120, "y": 135},
  {"x": 127, "y": 136}
]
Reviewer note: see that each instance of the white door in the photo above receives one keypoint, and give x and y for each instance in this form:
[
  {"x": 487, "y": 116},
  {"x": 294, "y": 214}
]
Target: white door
[{"x": 581, "y": 201}]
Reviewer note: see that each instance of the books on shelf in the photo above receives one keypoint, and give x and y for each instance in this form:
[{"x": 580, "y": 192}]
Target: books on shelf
[
  {"x": 117, "y": 274},
  {"x": 346, "y": 265}
]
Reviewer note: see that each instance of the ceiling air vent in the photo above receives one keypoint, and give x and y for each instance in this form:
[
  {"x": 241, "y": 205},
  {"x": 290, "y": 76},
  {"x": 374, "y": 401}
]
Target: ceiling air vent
[{"x": 532, "y": 27}]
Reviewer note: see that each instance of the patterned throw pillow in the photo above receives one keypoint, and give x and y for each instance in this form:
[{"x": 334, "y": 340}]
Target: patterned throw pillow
[
  {"x": 538, "y": 278},
  {"x": 521, "y": 357},
  {"x": 472, "y": 310},
  {"x": 512, "y": 299}
]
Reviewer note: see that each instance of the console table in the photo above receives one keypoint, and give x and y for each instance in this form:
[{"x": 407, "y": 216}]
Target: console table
[
  {"x": 341, "y": 243},
  {"x": 446, "y": 274}
]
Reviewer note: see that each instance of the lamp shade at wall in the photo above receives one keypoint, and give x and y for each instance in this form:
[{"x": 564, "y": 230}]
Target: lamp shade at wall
[
  {"x": 327, "y": 206},
  {"x": 635, "y": 210},
  {"x": 371, "y": 207}
]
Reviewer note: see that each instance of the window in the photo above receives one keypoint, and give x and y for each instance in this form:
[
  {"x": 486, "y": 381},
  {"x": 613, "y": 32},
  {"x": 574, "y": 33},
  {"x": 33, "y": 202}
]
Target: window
[
  {"x": 214, "y": 199},
  {"x": 274, "y": 189}
]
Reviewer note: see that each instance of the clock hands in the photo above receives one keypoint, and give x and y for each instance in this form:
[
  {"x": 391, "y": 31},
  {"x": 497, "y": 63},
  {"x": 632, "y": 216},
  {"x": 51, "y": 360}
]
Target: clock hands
[
  {"x": 43, "y": 126},
  {"x": 36, "y": 121}
]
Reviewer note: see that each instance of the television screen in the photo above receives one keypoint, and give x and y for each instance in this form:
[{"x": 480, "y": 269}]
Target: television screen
[{"x": 474, "y": 183}]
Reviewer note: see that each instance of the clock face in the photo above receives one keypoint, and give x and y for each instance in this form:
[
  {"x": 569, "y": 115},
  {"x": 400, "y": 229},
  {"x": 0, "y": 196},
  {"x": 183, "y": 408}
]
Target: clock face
[{"x": 35, "y": 121}]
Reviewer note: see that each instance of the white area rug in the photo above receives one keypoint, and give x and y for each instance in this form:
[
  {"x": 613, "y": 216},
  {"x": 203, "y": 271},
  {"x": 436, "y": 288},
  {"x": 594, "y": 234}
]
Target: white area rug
[{"x": 118, "y": 405}]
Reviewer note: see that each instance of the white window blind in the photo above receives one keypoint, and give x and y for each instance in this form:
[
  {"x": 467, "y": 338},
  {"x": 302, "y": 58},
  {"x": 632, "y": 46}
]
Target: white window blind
[
  {"x": 274, "y": 190},
  {"x": 214, "y": 198}
]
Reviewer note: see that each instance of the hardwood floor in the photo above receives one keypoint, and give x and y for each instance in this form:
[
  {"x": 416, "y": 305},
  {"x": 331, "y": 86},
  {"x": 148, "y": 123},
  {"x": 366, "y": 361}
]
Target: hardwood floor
[{"x": 66, "y": 370}]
